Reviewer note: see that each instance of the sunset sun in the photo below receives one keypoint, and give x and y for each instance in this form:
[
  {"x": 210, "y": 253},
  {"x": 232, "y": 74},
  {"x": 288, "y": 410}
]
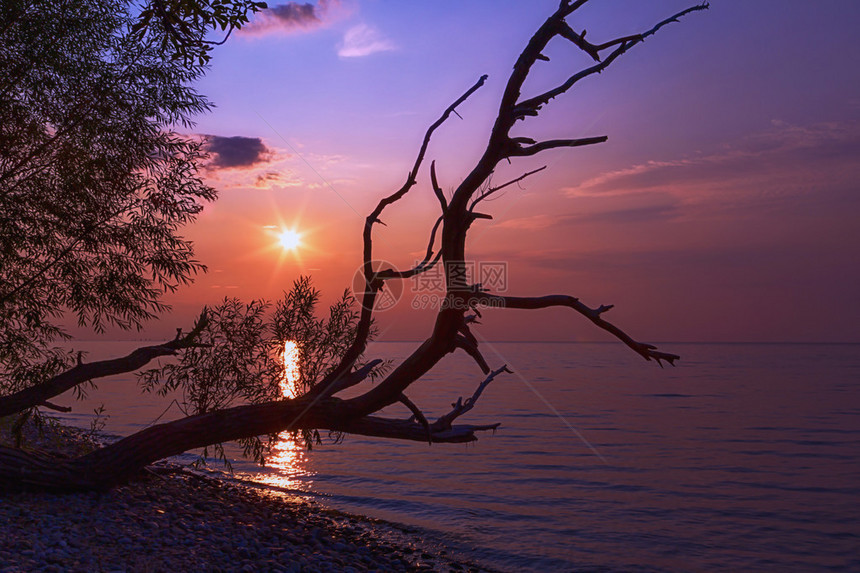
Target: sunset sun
[{"x": 289, "y": 239}]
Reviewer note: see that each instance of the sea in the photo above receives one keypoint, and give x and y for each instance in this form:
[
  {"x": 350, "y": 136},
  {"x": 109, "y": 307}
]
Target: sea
[{"x": 743, "y": 457}]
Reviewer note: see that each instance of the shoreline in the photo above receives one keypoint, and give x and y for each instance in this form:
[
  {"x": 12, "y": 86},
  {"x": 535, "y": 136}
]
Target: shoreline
[{"x": 174, "y": 519}]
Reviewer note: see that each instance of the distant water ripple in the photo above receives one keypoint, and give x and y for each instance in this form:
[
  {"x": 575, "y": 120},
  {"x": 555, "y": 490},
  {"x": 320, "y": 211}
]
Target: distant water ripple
[{"x": 744, "y": 457}]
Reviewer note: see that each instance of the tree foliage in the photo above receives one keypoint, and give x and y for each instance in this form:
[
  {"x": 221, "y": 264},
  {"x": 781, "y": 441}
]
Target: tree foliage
[
  {"x": 238, "y": 357},
  {"x": 95, "y": 182},
  {"x": 181, "y": 26}
]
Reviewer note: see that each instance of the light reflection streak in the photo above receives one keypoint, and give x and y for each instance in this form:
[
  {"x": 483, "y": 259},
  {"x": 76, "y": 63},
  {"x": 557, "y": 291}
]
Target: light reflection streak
[
  {"x": 288, "y": 459},
  {"x": 290, "y": 359}
]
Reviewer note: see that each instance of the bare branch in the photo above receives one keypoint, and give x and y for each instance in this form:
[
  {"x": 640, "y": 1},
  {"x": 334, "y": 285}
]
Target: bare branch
[
  {"x": 492, "y": 190},
  {"x": 55, "y": 407},
  {"x": 519, "y": 151},
  {"x": 578, "y": 40},
  {"x": 388, "y": 391},
  {"x": 406, "y": 430},
  {"x": 460, "y": 407},
  {"x": 647, "y": 351},
  {"x": 418, "y": 415},
  {"x": 472, "y": 350},
  {"x": 466, "y": 331},
  {"x": 536, "y": 102},
  {"x": 425, "y": 265},
  {"x": 624, "y": 44},
  {"x": 80, "y": 373},
  {"x": 327, "y": 387},
  {"x": 458, "y": 218},
  {"x": 372, "y": 283},
  {"x": 568, "y": 8},
  {"x": 565, "y": 31},
  {"x": 616, "y": 41},
  {"x": 524, "y": 63},
  {"x": 451, "y": 109},
  {"x": 430, "y": 243},
  {"x": 411, "y": 177},
  {"x": 436, "y": 189},
  {"x": 676, "y": 18}
]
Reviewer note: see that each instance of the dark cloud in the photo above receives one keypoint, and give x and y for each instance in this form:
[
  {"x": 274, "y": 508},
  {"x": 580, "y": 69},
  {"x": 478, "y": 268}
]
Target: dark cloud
[
  {"x": 295, "y": 14},
  {"x": 291, "y": 16},
  {"x": 236, "y": 151}
]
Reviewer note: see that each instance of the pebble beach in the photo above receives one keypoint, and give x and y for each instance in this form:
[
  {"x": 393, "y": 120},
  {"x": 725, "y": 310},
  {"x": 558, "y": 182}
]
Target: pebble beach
[{"x": 173, "y": 519}]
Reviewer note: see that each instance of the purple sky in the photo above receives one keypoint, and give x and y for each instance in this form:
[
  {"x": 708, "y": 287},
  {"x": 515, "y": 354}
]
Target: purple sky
[{"x": 724, "y": 206}]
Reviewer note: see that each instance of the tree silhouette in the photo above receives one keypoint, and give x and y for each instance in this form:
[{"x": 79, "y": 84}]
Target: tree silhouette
[
  {"x": 94, "y": 182},
  {"x": 248, "y": 409}
]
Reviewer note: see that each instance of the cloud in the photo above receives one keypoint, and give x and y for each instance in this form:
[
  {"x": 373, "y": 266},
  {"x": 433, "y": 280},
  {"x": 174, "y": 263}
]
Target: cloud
[
  {"x": 629, "y": 215},
  {"x": 236, "y": 151},
  {"x": 363, "y": 40},
  {"x": 533, "y": 223},
  {"x": 243, "y": 162},
  {"x": 292, "y": 17},
  {"x": 786, "y": 158},
  {"x": 626, "y": 209},
  {"x": 276, "y": 180}
]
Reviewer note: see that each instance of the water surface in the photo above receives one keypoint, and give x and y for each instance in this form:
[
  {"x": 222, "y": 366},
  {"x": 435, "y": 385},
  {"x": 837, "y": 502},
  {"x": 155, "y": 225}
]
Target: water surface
[{"x": 743, "y": 457}]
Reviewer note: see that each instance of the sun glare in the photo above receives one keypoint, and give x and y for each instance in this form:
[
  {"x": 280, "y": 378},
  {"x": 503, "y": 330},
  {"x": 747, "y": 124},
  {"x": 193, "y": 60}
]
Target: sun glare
[{"x": 289, "y": 239}]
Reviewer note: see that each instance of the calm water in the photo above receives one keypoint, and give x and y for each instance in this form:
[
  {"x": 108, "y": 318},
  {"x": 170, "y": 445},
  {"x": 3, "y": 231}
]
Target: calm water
[{"x": 743, "y": 457}]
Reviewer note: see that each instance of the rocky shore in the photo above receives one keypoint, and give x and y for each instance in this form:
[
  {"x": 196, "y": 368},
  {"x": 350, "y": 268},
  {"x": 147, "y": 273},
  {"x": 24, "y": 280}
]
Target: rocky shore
[{"x": 175, "y": 520}]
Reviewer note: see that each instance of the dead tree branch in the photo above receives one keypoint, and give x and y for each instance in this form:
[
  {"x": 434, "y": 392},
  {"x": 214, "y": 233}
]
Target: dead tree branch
[
  {"x": 498, "y": 188},
  {"x": 460, "y": 407},
  {"x": 373, "y": 283},
  {"x": 436, "y": 189},
  {"x": 407, "y": 430},
  {"x": 647, "y": 351},
  {"x": 516, "y": 149},
  {"x": 38, "y": 394},
  {"x": 471, "y": 349},
  {"x": 457, "y": 217},
  {"x": 55, "y": 407},
  {"x": 418, "y": 415},
  {"x": 322, "y": 390},
  {"x": 425, "y": 265}
]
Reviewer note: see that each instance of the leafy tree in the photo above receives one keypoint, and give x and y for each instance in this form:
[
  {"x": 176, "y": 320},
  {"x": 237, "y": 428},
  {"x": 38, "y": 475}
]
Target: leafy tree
[
  {"x": 182, "y": 25},
  {"x": 238, "y": 356},
  {"x": 95, "y": 184},
  {"x": 225, "y": 364}
]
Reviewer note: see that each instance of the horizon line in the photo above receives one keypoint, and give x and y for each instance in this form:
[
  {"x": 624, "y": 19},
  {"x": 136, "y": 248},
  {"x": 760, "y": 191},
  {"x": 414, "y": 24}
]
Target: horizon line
[{"x": 508, "y": 341}]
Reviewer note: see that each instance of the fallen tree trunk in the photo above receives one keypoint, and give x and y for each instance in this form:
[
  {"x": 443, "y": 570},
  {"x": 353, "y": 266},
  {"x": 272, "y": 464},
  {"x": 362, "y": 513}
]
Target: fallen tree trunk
[{"x": 117, "y": 462}]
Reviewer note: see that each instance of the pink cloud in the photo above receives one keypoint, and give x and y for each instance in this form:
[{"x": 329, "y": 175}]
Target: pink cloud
[
  {"x": 293, "y": 17},
  {"x": 276, "y": 180},
  {"x": 787, "y": 156}
]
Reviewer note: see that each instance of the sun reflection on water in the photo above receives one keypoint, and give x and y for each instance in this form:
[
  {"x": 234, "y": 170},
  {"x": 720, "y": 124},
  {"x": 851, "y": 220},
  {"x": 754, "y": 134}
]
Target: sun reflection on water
[
  {"x": 290, "y": 358},
  {"x": 288, "y": 460}
]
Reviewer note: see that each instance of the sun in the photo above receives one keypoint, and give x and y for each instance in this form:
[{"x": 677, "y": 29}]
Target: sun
[{"x": 289, "y": 239}]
